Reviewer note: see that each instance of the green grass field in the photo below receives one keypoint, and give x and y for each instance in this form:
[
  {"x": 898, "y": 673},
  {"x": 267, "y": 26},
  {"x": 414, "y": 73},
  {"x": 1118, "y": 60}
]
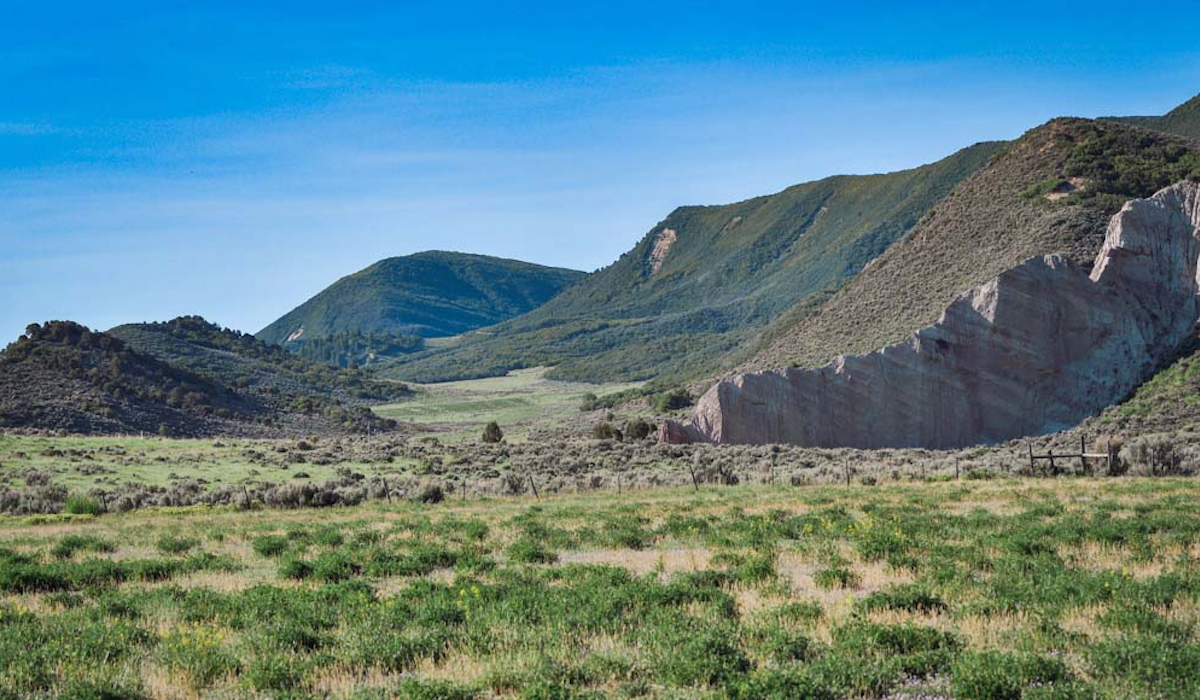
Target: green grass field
[
  {"x": 84, "y": 462},
  {"x": 1076, "y": 588},
  {"x": 458, "y": 410}
]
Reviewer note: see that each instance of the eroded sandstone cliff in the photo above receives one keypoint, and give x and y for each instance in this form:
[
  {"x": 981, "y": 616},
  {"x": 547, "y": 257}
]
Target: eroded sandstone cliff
[{"x": 1038, "y": 348}]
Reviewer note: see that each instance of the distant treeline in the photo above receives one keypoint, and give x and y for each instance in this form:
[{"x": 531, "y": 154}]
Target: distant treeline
[{"x": 352, "y": 349}]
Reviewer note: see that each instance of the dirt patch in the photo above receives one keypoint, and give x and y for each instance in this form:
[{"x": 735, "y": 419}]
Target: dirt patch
[{"x": 643, "y": 561}]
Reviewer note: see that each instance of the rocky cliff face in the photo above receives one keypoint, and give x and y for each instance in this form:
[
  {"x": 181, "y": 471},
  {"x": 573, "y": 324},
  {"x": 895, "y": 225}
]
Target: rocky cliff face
[{"x": 1036, "y": 349}]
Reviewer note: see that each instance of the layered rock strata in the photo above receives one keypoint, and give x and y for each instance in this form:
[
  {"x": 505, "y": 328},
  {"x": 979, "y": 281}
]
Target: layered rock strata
[{"x": 1037, "y": 349}]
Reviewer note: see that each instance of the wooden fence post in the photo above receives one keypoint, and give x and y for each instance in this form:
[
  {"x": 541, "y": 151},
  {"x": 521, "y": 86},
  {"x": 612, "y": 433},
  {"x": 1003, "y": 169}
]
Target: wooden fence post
[
  {"x": 1083, "y": 465},
  {"x": 533, "y": 485},
  {"x": 695, "y": 483}
]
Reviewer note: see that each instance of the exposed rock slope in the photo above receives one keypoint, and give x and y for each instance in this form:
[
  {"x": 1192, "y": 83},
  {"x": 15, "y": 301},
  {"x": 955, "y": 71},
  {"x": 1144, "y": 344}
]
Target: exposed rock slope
[{"x": 1036, "y": 349}]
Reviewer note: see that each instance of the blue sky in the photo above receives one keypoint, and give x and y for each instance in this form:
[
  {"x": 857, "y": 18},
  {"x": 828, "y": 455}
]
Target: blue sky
[{"x": 231, "y": 159}]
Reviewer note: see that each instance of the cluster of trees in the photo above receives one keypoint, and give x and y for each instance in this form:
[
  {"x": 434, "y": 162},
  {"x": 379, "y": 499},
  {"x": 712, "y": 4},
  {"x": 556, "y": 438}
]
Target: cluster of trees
[
  {"x": 352, "y": 349},
  {"x": 1120, "y": 164},
  {"x": 661, "y": 401},
  {"x": 636, "y": 429}
]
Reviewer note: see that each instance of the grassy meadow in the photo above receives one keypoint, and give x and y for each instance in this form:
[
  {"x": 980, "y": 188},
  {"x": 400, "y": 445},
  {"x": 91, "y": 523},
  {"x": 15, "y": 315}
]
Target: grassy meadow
[
  {"x": 1071, "y": 588},
  {"x": 517, "y": 401}
]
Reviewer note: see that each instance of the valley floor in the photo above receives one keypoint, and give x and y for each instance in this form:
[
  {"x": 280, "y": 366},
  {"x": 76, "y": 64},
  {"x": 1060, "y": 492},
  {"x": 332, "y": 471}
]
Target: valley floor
[
  {"x": 1072, "y": 588},
  {"x": 518, "y": 402}
]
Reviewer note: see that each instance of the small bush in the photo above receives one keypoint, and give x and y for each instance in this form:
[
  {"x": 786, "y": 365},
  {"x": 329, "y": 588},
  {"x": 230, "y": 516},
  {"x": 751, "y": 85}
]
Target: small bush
[
  {"x": 638, "y": 429},
  {"x": 911, "y": 597},
  {"x": 1111, "y": 445},
  {"x": 529, "y": 551},
  {"x": 169, "y": 544},
  {"x": 492, "y": 433},
  {"x": 431, "y": 493},
  {"x": 904, "y": 639},
  {"x": 703, "y": 657},
  {"x": 274, "y": 671},
  {"x": 805, "y": 611},
  {"x": 672, "y": 400},
  {"x": 836, "y": 577},
  {"x": 605, "y": 431},
  {"x": 68, "y": 545},
  {"x": 422, "y": 689},
  {"x": 198, "y": 654},
  {"x": 81, "y": 505},
  {"x": 980, "y": 474},
  {"x": 787, "y": 683},
  {"x": 1159, "y": 663},
  {"x": 1157, "y": 455},
  {"x": 270, "y": 545},
  {"x": 295, "y": 569},
  {"x": 994, "y": 675},
  {"x": 334, "y": 566},
  {"x": 785, "y": 645}
]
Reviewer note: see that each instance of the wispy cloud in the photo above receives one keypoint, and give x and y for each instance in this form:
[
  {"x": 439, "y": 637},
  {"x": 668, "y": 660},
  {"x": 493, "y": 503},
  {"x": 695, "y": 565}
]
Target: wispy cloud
[{"x": 29, "y": 129}]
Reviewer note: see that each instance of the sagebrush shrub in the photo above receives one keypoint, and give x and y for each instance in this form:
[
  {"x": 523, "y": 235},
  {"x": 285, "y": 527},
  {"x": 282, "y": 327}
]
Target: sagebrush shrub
[{"x": 82, "y": 505}]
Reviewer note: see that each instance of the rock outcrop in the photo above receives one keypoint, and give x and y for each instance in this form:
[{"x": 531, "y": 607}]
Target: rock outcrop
[{"x": 1037, "y": 349}]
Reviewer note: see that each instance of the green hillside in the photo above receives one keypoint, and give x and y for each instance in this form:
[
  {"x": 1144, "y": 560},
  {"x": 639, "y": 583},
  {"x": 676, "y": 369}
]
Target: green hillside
[
  {"x": 1184, "y": 120},
  {"x": 427, "y": 294},
  {"x": 265, "y": 372},
  {"x": 703, "y": 280}
]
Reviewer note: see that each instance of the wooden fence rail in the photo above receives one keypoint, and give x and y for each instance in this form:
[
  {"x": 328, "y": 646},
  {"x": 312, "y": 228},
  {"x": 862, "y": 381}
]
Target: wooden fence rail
[{"x": 1082, "y": 455}]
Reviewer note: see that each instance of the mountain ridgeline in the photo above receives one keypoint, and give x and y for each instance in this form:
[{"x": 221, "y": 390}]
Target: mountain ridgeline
[
  {"x": 430, "y": 294},
  {"x": 703, "y": 280}
]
